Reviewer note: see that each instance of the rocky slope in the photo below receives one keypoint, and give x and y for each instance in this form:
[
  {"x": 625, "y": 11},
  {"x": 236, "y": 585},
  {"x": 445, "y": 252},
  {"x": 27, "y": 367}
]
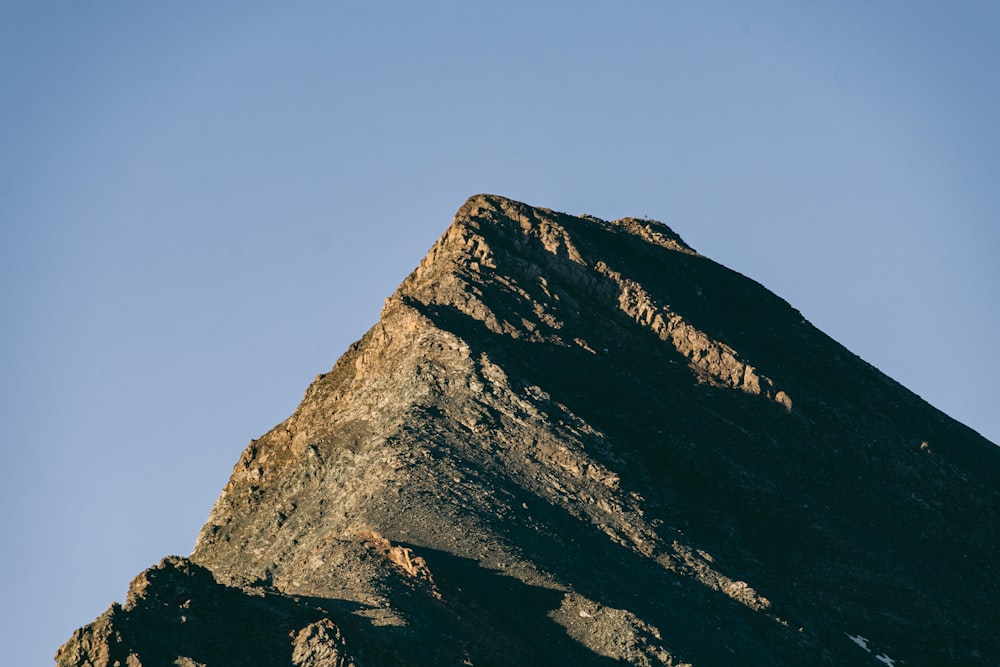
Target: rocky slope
[{"x": 572, "y": 441}]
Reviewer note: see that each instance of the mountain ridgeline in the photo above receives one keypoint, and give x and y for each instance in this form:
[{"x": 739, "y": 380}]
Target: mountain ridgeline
[{"x": 569, "y": 441}]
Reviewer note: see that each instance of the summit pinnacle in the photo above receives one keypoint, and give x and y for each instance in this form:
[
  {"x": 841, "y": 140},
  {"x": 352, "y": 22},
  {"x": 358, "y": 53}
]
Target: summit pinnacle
[{"x": 570, "y": 441}]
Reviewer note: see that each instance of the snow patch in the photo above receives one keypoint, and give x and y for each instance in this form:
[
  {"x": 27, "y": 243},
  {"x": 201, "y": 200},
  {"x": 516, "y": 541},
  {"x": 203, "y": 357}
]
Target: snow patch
[
  {"x": 863, "y": 643},
  {"x": 860, "y": 641}
]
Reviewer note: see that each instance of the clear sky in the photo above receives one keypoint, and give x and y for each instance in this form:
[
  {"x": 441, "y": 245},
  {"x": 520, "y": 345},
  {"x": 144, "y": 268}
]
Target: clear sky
[{"x": 202, "y": 204}]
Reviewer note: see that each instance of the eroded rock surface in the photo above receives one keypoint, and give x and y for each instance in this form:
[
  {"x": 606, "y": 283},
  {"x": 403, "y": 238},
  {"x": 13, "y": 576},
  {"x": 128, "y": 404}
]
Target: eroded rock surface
[
  {"x": 176, "y": 613},
  {"x": 573, "y": 441}
]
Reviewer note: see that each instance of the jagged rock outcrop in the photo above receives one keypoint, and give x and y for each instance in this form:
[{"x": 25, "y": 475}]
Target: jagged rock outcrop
[
  {"x": 572, "y": 441},
  {"x": 178, "y": 614}
]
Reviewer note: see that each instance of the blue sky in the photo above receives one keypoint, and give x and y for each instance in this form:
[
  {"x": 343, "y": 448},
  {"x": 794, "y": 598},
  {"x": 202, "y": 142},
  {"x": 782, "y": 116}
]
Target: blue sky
[{"x": 203, "y": 204}]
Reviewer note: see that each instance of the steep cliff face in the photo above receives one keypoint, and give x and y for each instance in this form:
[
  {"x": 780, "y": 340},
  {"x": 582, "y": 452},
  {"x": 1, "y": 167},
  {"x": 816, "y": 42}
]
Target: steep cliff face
[{"x": 572, "y": 441}]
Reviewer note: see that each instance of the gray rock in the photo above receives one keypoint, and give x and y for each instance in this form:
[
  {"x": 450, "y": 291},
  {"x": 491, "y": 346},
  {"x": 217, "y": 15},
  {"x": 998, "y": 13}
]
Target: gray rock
[{"x": 573, "y": 441}]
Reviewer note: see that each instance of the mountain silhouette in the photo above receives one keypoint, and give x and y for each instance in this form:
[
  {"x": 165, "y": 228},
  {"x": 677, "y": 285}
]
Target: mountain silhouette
[{"x": 579, "y": 442}]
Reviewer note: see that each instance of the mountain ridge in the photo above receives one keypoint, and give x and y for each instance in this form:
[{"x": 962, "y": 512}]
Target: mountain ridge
[{"x": 570, "y": 440}]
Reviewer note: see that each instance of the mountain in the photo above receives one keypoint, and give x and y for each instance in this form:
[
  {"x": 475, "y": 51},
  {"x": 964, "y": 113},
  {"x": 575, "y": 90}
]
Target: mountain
[{"x": 579, "y": 442}]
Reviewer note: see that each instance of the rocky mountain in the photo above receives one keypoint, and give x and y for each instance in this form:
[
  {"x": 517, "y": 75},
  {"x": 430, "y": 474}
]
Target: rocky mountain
[{"x": 579, "y": 442}]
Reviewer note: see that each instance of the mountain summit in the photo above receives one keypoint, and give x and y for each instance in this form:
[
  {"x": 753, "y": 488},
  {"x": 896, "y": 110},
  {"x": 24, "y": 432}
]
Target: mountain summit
[{"x": 572, "y": 441}]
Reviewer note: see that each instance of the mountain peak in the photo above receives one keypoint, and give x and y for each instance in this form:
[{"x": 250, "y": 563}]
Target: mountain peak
[
  {"x": 575, "y": 441},
  {"x": 535, "y": 273},
  {"x": 549, "y": 225}
]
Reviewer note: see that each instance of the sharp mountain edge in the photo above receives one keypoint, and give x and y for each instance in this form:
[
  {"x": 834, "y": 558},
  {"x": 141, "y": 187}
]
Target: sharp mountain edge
[{"x": 573, "y": 441}]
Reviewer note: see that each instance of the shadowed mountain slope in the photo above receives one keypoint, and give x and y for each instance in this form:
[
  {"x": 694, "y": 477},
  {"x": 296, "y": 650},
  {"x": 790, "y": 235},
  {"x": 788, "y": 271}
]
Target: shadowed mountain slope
[{"x": 572, "y": 441}]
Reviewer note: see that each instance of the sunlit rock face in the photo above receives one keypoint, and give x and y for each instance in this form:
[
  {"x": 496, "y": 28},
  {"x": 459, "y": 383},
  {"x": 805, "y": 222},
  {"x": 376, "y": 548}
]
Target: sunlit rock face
[{"x": 573, "y": 441}]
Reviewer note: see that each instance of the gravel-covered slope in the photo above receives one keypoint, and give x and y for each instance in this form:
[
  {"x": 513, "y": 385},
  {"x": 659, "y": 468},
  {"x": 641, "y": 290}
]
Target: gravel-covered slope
[{"x": 572, "y": 441}]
